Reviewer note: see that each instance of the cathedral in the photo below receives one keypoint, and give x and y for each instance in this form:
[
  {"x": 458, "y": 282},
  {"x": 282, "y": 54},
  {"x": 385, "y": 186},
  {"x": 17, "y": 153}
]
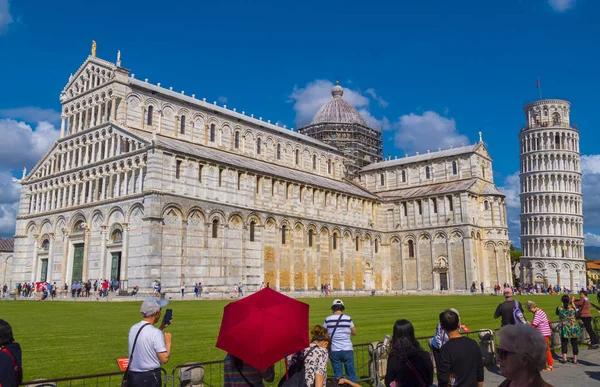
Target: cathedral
[{"x": 146, "y": 183}]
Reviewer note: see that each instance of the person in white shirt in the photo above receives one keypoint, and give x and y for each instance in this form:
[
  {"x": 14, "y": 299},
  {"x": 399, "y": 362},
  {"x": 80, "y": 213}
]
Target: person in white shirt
[
  {"x": 152, "y": 349},
  {"x": 340, "y": 327}
]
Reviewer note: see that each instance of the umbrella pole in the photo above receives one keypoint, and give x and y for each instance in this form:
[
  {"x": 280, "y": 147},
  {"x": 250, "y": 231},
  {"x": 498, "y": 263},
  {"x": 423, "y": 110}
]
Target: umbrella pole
[{"x": 286, "y": 368}]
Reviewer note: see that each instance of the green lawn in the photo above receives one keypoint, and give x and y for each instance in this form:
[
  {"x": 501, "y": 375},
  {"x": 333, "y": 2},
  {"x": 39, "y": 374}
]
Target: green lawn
[{"x": 76, "y": 338}]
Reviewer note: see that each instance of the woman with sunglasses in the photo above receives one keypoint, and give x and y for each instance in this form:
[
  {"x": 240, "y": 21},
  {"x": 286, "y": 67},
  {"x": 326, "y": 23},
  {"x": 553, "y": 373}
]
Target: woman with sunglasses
[
  {"x": 521, "y": 356},
  {"x": 570, "y": 330}
]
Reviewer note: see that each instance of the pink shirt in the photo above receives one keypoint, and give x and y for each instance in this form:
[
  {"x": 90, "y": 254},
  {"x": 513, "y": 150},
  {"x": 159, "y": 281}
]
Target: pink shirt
[{"x": 540, "y": 322}]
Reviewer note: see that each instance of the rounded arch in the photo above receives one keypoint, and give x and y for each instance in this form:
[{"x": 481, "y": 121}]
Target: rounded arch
[
  {"x": 60, "y": 224},
  {"x": 395, "y": 239},
  {"x": 235, "y": 214},
  {"x": 172, "y": 206},
  {"x": 270, "y": 222},
  {"x": 409, "y": 237},
  {"x": 298, "y": 225},
  {"x": 115, "y": 214},
  {"x": 324, "y": 230},
  {"x": 217, "y": 214},
  {"x": 46, "y": 226},
  {"x": 132, "y": 209},
  {"x": 76, "y": 217},
  {"x": 254, "y": 217}
]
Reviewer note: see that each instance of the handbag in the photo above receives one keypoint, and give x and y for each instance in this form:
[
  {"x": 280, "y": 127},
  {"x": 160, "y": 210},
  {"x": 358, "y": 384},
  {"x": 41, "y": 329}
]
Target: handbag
[{"x": 125, "y": 381}]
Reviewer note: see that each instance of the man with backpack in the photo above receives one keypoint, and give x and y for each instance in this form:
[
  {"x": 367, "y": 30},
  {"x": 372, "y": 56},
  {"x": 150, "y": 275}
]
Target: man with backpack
[
  {"x": 510, "y": 310},
  {"x": 340, "y": 327}
]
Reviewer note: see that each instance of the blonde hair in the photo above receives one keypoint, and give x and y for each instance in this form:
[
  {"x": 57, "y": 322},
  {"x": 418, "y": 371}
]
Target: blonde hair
[
  {"x": 530, "y": 305},
  {"x": 319, "y": 333}
]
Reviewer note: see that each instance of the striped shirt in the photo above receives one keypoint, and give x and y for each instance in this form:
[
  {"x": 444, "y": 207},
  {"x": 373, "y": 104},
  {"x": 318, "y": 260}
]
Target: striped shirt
[
  {"x": 540, "y": 322},
  {"x": 341, "y": 338},
  {"x": 232, "y": 377}
]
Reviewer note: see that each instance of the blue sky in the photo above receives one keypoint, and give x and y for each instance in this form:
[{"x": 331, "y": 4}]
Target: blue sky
[{"x": 430, "y": 73}]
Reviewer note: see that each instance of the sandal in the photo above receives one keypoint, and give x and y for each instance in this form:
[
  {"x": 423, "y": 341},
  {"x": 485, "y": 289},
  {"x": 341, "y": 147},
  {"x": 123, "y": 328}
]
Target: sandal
[{"x": 563, "y": 361}]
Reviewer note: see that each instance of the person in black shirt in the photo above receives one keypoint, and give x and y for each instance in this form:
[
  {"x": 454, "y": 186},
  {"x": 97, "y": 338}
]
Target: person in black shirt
[
  {"x": 10, "y": 357},
  {"x": 505, "y": 309},
  {"x": 460, "y": 357},
  {"x": 408, "y": 364}
]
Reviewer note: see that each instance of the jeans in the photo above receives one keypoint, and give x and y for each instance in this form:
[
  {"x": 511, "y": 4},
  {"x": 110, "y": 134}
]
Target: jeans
[
  {"x": 145, "y": 379},
  {"x": 347, "y": 359},
  {"x": 587, "y": 323}
]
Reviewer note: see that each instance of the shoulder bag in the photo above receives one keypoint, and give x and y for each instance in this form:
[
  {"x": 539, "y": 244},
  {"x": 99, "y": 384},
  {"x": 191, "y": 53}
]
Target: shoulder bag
[
  {"x": 125, "y": 381},
  {"x": 335, "y": 328},
  {"x": 14, "y": 362}
]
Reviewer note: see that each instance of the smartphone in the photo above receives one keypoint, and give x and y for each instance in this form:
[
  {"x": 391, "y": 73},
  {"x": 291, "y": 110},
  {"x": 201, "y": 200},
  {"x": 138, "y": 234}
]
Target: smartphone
[{"x": 167, "y": 318}]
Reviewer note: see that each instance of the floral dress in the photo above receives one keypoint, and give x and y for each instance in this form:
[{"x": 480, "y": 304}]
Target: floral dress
[{"x": 569, "y": 326}]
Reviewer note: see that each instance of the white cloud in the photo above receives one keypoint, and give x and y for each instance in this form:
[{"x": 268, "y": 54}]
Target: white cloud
[
  {"x": 561, "y": 5},
  {"x": 317, "y": 93},
  {"x": 31, "y": 114},
  {"x": 591, "y": 239},
  {"x": 373, "y": 122},
  {"x": 222, "y": 99},
  {"x": 511, "y": 188},
  {"x": 590, "y": 164},
  {"x": 382, "y": 102},
  {"x": 22, "y": 146},
  {"x": 429, "y": 130},
  {"x": 5, "y": 16}
]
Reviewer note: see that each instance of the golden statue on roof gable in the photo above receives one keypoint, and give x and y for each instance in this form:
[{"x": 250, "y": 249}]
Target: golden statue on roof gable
[{"x": 93, "y": 48}]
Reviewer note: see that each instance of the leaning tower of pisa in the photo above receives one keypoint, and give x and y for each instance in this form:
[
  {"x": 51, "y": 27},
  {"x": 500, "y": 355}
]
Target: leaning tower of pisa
[{"x": 551, "y": 199}]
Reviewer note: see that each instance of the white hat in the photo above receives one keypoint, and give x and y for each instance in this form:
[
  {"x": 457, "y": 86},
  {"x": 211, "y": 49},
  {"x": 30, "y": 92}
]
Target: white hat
[
  {"x": 152, "y": 305},
  {"x": 337, "y": 302}
]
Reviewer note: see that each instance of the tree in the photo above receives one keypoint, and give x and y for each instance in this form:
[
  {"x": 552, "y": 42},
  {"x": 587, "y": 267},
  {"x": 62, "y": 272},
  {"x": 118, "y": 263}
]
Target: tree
[{"x": 515, "y": 260}]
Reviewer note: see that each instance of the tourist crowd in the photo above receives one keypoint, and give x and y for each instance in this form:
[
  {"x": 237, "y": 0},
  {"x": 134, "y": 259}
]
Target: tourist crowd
[{"x": 523, "y": 351}]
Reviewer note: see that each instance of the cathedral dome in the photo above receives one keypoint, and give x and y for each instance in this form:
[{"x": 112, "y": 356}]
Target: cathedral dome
[{"x": 338, "y": 110}]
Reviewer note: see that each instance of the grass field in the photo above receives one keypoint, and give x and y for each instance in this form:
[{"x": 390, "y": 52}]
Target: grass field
[{"x": 76, "y": 338}]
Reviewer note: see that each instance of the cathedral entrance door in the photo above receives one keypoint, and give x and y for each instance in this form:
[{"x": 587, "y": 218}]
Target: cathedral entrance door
[
  {"x": 444, "y": 281},
  {"x": 44, "y": 272},
  {"x": 77, "y": 264},
  {"x": 115, "y": 269}
]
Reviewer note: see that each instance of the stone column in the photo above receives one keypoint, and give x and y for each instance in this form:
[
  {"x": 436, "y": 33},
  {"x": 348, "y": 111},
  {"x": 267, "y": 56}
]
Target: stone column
[
  {"x": 497, "y": 265},
  {"x": 450, "y": 270},
  {"x": 93, "y": 119},
  {"x": 34, "y": 265},
  {"x": 141, "y": 179},
  {"x": 118, "y": 193},
  {"x": 62, "y": 126},
  {"x": 63, "y": 275},
  {"x": 86, "y": 250},
  {"x": 416, "y": 245},
  {"x": 125, "y": 256},
  {"x": 572, "y": 282},
  {"x": 113, "y": 109},
  {"x": 558, "y": 277},
  {"x": 49, "y": 272},
  {"x": 402, "y": 264}
]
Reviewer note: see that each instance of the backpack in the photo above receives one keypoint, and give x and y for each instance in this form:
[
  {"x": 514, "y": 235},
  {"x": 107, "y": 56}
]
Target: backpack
[
  {"x": 297, "y": 372},
  {"x": 518, "y": 314}
]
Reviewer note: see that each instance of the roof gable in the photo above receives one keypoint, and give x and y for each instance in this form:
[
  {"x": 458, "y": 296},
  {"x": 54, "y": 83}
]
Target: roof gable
[{"x": 92, "y": 65}]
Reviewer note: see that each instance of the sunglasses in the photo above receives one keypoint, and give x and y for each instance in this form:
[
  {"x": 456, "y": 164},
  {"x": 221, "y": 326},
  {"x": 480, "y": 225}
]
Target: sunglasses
[{"x": 503, "y": 353}]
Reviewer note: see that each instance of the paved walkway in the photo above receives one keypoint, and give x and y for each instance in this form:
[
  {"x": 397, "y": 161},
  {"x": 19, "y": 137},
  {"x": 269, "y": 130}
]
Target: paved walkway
[{"x": 586, "y": 373}]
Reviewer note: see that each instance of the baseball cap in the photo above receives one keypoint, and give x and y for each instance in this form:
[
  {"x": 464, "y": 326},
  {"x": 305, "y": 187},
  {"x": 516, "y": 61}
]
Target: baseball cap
[
  {"x": 508, "y": 292},
  {"x": 152, "y": 305},
  {"x": 337, "y": 302}
]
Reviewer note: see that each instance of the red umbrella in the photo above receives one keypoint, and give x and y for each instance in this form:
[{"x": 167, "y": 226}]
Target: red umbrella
[{"x": 263, "y": 328}]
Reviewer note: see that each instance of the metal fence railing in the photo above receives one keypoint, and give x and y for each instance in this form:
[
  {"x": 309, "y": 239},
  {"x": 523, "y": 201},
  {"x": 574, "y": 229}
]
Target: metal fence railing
[{"x": 111, "y": 379}]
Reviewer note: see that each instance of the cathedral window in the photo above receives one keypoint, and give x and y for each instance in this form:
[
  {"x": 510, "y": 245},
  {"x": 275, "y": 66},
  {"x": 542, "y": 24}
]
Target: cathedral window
[
  {"x": 335, "y": 241},
  {"x": 404, "y": 176},
  {"x": 150, "y": 112},
  {"x": 329, "y": 166},
  {"x": 252, "y": 230},
  {"x": 220, "y": 176},
  {"x": 200, "y": 166},
  {"x": 239, "y": 181},
  {"x": 258, "y": 144},
  {"x": 434, "y": 201},
  {"x": 257, "y": 184},
  {"x": 236, "y": 140},
  {"x": 212, "y": 132},
  {"x": 405, "y": 208},
  {"x": 278, "y": 151},
  {"x": 178, "y": 169},
  {"x": 182, "y": 125},
  {"x": 486, "y": 205},
  {"x": 310, "y": 238},
  {"x": 46, "y": 245},
  {"x": 411, "y": 249},
  {"x": 454, "y": 168},
  {"x": 420, "y": 205},
  {"x": 283, "y": 230},
  {"x": 483, "y": 171},
  {"x": 273, "y": 183},
  {"x": 427, "y": 173},
  {"x": 376, "y": 246},
  {"x": 314, "y": 162},
  {"x": 215, "y": 228},
  {"x": 557, "y": 141},
  {"x": 357, "y": 244},
  {"x": 450, "y": 203}
]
